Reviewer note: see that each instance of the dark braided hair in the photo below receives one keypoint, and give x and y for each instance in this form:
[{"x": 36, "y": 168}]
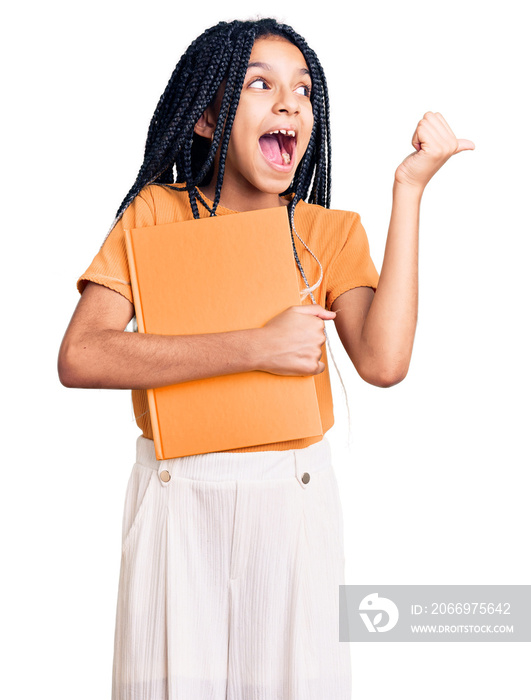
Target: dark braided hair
[{"x": 174, "y": 153}]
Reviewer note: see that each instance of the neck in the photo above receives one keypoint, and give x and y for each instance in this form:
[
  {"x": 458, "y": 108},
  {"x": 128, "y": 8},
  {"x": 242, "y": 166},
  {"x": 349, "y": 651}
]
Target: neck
[{"x": 240, "y": 200}]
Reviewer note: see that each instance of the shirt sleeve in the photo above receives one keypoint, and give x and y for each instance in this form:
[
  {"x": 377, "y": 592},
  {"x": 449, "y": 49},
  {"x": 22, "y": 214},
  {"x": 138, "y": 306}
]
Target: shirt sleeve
[
  {"x": 110, "y": 267},
  {"x": 353, "y": 266}
]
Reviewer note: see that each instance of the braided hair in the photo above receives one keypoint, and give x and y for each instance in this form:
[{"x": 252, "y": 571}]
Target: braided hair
[{"x": 174, "y": 153}]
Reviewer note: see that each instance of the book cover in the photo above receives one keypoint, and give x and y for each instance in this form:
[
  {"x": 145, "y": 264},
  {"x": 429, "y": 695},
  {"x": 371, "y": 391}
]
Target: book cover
[{"x": 211, "y": 275}]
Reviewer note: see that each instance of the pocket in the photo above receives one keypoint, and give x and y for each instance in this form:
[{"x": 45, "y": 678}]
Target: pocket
[{"x": 138, "y": 488}]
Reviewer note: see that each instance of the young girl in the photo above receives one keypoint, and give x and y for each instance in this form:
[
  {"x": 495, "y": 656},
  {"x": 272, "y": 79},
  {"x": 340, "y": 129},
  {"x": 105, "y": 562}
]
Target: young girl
[{"x": 231, "y": 561}]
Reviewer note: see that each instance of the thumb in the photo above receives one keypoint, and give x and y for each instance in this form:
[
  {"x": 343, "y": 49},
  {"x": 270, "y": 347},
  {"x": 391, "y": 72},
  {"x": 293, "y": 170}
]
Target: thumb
[{"x": 465, "y": 145}]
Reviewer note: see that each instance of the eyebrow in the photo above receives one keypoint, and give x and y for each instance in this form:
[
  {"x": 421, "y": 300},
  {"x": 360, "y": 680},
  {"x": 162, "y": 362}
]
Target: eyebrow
[{"x": 266, "y": 66}]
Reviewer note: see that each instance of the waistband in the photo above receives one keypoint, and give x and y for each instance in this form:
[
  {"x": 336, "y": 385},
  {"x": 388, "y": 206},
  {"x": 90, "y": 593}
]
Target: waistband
[{"x": 240, "y": 466}]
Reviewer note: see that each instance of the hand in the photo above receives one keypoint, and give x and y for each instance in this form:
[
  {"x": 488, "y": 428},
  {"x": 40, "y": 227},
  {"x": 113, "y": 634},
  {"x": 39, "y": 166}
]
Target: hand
[
  {"x": 291, "y": 341},
  {"x": 435, "y": 143}
]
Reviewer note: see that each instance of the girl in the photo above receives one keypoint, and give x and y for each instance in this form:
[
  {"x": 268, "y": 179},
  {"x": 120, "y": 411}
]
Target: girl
[{"x": 231, "y": 561}]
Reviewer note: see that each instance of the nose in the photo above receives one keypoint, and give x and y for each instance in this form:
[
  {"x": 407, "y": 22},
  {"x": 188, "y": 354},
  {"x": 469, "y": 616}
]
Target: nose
[{"x": 286, "y": 102}]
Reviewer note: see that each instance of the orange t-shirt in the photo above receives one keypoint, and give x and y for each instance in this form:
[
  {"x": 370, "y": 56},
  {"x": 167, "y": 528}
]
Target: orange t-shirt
[{"x": 337, "y": 239}]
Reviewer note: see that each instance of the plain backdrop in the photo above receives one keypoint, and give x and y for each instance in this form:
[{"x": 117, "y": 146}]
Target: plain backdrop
[{"x": 435, "y": 479}]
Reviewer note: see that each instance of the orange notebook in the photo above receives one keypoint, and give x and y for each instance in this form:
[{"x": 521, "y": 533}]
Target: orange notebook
[{"x": 210, "y": 275}]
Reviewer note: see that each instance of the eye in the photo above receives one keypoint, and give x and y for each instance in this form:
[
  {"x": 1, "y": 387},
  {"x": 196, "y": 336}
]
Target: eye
[
  {"x": 258, "y": 83},
  {"x": 304, "y": 90}
]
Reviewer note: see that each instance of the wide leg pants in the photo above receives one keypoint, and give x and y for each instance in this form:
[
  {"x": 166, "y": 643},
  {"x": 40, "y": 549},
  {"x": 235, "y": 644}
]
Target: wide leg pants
[{"x": 229, "y": 580}]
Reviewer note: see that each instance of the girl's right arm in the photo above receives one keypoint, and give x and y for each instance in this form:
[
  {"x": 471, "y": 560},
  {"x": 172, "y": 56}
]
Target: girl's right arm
[{"x": 97, "y": 353}]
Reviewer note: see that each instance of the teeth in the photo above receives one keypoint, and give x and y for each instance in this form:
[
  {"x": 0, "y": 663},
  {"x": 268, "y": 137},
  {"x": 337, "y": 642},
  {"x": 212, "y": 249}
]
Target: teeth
[
  {"x": 286, "y": 158},
  {"x": 284, "y": 132}
]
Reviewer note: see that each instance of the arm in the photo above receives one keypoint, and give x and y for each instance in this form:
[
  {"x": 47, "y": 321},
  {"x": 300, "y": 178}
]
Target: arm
[
  {"x": 97, "y": 353},
  {"x": 378, "y": 328}
]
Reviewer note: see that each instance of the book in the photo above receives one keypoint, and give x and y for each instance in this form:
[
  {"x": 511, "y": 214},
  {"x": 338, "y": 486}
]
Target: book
[{"x": 211, "y": 275}]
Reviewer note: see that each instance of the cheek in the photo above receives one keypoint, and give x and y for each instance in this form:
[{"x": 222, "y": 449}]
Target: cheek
[
  {"x": 239, "y": 149},
  {"x": 246, "y": 118},
  {"x": 242, "y": 138}
]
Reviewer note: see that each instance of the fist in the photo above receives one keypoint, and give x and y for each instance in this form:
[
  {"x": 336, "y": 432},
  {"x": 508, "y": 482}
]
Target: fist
[{"x": 434, "y": 144}]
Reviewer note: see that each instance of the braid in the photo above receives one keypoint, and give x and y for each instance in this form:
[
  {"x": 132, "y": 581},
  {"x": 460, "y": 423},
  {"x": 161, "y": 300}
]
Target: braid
[
  {"x": 175, "y": 154},
  {"x": 234, "y": 86}
]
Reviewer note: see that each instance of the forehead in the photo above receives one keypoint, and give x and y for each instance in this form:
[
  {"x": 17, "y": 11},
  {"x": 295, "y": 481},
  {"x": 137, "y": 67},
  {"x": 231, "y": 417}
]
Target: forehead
[{"x": 278, "y": 53}]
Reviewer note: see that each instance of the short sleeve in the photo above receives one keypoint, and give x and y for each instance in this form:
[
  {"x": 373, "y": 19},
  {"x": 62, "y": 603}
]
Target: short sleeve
[
  {"x": 353, "y": 266},
  {"x": 110, "y": 267}
]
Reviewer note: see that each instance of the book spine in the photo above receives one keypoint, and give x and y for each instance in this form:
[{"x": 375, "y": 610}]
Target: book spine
[
  {"x": 152, "y": 402},
  {"x": 157, "y": 438},
  {"x": 134, "y": 281}
]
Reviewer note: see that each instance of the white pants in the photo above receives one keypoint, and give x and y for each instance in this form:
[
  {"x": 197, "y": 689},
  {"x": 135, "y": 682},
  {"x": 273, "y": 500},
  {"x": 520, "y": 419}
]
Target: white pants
[{"x": 229, "y": 581}]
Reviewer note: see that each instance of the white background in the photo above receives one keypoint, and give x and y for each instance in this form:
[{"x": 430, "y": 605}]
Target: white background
[{"x": 435, "y": 482}]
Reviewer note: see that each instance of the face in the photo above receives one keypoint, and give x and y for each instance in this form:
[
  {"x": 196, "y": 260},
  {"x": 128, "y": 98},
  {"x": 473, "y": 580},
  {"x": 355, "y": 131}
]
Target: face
[{"x": 273, "y": 121}]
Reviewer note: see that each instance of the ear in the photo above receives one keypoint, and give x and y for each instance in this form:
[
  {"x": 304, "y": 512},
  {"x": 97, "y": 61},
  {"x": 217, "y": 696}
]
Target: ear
[{"x": 206, "y": 124}]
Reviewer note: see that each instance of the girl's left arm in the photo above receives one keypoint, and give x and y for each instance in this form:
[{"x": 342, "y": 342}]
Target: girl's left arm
[{"x": 377, "y": 329}]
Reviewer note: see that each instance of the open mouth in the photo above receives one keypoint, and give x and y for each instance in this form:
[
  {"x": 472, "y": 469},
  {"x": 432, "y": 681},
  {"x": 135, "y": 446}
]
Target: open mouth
[{"x": 278, "y": 147}]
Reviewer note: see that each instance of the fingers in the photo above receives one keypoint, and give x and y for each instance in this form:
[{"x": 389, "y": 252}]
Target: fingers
[
  {"x": 435, "y": 124},
  {"x": 442, "y": 121},
  {"x": 431, "y": 129},
  {"x": 315, "y": 310},
  {"x": 463, "y": 144}
]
